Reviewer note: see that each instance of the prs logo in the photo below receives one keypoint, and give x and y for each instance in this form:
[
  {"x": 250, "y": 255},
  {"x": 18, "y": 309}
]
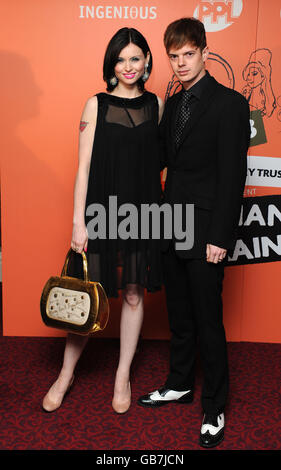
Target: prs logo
[{"x": 218, "y": 14}]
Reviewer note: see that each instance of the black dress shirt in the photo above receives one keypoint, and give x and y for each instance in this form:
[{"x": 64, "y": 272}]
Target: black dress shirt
[{"x": 196, "y": 92}]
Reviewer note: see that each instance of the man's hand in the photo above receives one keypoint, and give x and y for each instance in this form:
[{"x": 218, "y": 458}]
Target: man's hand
[{"x": 215, "y": 254}]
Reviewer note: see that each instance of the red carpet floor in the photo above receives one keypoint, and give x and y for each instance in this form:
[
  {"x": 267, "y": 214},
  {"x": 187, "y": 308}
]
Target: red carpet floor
[{"x": 86, "y": 420}]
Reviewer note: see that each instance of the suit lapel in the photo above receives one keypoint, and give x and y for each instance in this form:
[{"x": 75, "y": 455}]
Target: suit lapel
[
  {"x": 172, "y": 123},
  {"x": 201, "y": 107}
]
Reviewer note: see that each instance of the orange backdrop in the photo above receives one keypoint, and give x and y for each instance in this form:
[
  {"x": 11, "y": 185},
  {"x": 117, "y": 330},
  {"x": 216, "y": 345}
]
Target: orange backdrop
[{"x": 51, "y": 62}]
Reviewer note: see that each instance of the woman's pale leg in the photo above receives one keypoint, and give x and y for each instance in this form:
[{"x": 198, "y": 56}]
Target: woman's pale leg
[
  {"x": 73, "y": 350},
  {"x": 130, "y": 326}
]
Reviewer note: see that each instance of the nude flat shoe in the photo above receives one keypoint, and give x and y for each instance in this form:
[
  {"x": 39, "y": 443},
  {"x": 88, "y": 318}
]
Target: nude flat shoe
[
  {"x": 122, "y": 407},
  {"x": 49, "y": 405}
]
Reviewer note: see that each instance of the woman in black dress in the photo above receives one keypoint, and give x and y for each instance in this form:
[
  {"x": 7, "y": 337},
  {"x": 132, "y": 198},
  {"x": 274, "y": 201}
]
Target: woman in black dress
[{"x": 118, "y": 156}]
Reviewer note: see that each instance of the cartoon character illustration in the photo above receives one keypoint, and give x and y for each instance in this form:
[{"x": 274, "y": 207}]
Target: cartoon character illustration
[
  {"x": 279, "y": 108},
  {"x": 258, "y": 90},
  {"x": 172, "y": 87}
]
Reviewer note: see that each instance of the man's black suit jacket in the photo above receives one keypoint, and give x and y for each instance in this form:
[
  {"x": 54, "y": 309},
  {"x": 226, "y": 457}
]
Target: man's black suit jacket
[{"x": 209, "y": 167}]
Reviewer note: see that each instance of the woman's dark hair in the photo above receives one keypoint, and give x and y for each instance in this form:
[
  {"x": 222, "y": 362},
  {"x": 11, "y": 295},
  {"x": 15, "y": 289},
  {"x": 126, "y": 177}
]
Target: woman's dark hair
[
  {"x": 121, "y": 39},
  {"x": 185, "y": 30}
]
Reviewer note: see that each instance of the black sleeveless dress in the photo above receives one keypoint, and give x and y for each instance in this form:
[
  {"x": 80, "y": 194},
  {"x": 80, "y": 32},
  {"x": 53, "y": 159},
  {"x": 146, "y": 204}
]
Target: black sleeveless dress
[{"x": 124, "y": 171}]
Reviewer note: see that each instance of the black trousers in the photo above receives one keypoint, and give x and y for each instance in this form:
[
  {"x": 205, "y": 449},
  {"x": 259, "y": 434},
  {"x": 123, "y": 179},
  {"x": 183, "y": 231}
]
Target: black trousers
[{"x": 193, "y": 293}]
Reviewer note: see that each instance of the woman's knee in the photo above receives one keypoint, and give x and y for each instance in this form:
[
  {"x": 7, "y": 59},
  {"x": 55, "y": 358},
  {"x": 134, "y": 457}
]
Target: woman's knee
[{"x": 133, "y": 295}]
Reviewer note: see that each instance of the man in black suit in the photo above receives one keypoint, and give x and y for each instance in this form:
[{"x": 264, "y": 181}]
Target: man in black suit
[{"x": 206, "y": 132}]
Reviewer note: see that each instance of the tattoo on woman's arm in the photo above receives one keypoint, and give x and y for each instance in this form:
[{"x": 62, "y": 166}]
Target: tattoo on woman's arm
[{"x": 83, "y": 125}]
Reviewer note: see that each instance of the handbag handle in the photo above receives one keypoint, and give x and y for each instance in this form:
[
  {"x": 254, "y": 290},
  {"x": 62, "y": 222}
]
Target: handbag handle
[{"x": 85, "y": 264}]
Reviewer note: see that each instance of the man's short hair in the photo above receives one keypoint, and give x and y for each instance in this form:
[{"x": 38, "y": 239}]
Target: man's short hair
[{"x": 185, "y": 30}]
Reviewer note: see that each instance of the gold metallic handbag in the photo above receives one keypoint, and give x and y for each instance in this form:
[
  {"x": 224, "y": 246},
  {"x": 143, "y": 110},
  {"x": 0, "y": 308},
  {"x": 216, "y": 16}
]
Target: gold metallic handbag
[{"x": 75, "y": 305}]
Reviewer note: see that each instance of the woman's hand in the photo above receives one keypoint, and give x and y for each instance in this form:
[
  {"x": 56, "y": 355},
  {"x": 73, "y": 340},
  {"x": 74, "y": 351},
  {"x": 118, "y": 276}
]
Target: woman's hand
[{"x": 79, "y": 240}]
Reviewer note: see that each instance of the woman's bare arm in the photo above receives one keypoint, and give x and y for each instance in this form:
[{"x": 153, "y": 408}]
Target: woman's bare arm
[{"x": 86, "y": 138}]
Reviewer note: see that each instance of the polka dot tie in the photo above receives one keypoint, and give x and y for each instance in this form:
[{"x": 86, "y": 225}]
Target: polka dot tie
[{"x": 184, "y": 115}]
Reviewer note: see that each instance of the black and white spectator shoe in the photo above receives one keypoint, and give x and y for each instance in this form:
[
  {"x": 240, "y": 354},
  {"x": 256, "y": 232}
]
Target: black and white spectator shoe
[
  {"x": 163, "y": 396},
  {"x": 212, "y": 430}
]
